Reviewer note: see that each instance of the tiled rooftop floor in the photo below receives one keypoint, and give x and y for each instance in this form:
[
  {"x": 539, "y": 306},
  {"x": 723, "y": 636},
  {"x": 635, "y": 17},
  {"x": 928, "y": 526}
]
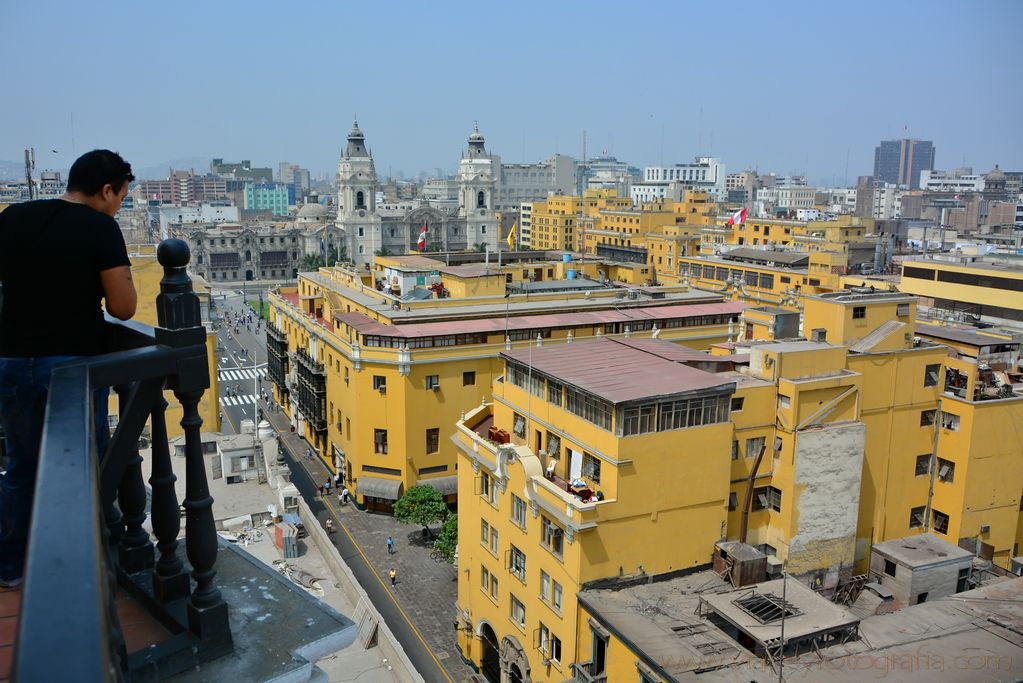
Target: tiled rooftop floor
[{"x": 140, "y": 630}]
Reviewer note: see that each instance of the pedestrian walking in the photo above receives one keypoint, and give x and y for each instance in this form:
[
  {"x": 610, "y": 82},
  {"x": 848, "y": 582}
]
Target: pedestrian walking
[
  {"x": 321, "y": 490},
  {"x": 327, "y": 484},
  {"x": 390, "y": 545},
  {"x": 344, "y": 495},
  {"x": 393, "y": 574},
  {"x": 330, "y": 526}
]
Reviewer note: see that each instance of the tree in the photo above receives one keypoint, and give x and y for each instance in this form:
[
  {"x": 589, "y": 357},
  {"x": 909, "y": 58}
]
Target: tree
[
  {"x": 447, "y": 539},
  {"x": 422, "y": 505},
  {"x": 311, "y": 262}
]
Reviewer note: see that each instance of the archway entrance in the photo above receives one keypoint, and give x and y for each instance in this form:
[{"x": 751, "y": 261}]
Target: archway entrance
[
  {"x": 490, "y": 666},
  {"x": 514, "y": 674},
  {"x": 248, "y": 274}
]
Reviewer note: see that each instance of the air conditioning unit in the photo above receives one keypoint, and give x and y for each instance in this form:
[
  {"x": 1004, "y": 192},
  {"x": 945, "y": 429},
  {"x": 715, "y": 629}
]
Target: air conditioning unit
[
  {"x": 382, "y": 388},
  {"x": 985, "y": 528},
  {"x": 435, "y": 387}
]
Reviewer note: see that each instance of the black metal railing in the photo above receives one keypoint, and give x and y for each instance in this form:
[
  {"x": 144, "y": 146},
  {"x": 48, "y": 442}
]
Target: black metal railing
[
  {"x": 87, "y": 530},
  {"x": 312, "y": 395},
  {"x": 584, "y": 673}
]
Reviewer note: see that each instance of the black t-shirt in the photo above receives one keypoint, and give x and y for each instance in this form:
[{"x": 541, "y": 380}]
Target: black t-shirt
[{"x": 51, "y": 255}]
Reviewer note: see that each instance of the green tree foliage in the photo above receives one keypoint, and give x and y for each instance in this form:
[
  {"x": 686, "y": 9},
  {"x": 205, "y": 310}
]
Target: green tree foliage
[
  {"x": 311, "y": 262},
  {"x": 421, "y": 505},
  {"x": 447, "y": 539}
]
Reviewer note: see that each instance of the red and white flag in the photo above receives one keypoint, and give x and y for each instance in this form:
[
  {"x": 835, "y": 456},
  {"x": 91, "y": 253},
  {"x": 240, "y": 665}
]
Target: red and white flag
[
  {"x": 421, "y": 244},
  {"x": 738, "y": 217}
]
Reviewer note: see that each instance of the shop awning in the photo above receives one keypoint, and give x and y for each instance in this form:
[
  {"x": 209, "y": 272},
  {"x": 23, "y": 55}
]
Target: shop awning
[
  {"x": 446, "y": 485},
  {"x": 379, "y": 487}
]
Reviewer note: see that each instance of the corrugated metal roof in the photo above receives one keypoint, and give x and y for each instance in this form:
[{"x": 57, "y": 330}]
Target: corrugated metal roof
[
  {"x": 618, "y": 371},
  {"x": 365, "y": 325},
  {"x": 962, "y": 336}
]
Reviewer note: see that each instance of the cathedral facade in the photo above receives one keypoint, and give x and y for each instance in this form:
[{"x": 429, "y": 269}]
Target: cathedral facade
[{"x": 369, "y": 228}]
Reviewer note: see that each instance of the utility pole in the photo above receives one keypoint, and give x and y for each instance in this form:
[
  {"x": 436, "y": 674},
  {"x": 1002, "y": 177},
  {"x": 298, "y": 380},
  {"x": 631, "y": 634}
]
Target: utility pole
[{"x": 30, "y": 165}]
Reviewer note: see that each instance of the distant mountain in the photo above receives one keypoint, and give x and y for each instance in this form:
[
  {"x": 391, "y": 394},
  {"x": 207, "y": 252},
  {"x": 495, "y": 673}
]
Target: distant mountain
[
  {"x": 12, "y": 170},
  {"x": 200, "y": 165}
]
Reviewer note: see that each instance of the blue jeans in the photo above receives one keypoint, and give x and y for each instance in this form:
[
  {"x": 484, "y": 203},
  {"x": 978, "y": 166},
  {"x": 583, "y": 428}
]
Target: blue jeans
[{"x": 24, "y": 386}]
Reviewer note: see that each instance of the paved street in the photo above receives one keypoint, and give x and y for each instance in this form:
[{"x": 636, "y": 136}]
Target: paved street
[{"x": 420, "y": 609}]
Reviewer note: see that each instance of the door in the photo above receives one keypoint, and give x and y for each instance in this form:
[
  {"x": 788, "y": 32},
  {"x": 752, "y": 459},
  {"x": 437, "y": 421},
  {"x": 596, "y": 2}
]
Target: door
[
  {"x": 248, "y": 274},
  {"x": 490, "y": 666},
  {"x": 575, "y": 470}
]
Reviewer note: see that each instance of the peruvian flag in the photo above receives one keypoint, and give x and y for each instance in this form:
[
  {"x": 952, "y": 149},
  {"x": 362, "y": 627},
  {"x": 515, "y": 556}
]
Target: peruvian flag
[
  {"x": 421, "y": 244},
  {"x": 738, "y": 217}
]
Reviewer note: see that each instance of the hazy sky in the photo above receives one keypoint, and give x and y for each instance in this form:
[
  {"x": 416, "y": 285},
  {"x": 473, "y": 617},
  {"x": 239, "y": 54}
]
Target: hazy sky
[{"x": 781, "y": 86}]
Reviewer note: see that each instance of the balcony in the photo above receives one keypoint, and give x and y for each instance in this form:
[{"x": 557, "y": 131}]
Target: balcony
[
  {"x": 312, "y": 390},
  {"x": 554, "y": 495},
  {"x": 100, "y": 601},
  {"x": 584, "y": 674}
]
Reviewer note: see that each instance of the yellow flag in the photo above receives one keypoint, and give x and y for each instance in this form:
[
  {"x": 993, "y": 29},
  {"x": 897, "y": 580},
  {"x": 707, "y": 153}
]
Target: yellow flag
[{"x": 511, "y": 235}]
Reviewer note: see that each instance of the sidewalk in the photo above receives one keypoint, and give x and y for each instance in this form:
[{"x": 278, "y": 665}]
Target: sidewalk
[{"x": 426, "y": 590}]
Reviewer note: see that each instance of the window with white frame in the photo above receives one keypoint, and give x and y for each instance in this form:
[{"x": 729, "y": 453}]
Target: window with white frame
[
  {"x": 556, "y": 593},
  {"x": 552, "y": 536},
  {"x": 518, "y": 514},
  {"x": 550, "y": 644},
  {"x": 517, "y": 563},
  {"x": 518, "y": 612},
  {"x": 545, "y": 586}
]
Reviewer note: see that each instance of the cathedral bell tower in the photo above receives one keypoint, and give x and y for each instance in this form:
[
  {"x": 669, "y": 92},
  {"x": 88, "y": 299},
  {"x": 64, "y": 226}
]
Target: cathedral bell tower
[
  {"x": 476, "y": 186},
  {"x": 357, "y": 185}
]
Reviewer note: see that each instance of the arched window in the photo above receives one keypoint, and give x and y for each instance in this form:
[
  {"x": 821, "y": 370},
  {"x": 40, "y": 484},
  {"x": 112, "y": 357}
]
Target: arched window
[
  {"x": 481, "y": 200},
  {"x": 360, "y": 200},
  {"x": 248, "y": 255}
]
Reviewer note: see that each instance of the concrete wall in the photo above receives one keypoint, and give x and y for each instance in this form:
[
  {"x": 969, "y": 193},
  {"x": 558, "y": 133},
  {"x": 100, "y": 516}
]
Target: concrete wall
[
  {"x": 937, "y": 581},
  {"x": 828, "y": 467},
  {"x": 389, "y": 646}
]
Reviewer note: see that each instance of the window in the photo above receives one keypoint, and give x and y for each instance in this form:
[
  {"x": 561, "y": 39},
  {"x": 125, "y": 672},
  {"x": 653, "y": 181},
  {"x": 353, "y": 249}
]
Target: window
[
  {"x": 469, "y": 378},
  {"x": 949, "y": 421},
  {"x": 517, "y": 563},
  {"x": 380, "y": 383},
  {"x": 519, "y": 425},
  {"x": 346, "y": 374},
  {"x": 921, "y": 598},
  {"x": 484, "y": 578},
  {"x": 784, "y": 402},
  {"x": 859, "y": 312},
  {"x": 554, "y": 391},
  {"x": 433, "y": 440},
  {"x": 380, "y": 441},
  {"x": 946, "y": 470},
  {"x": 552, "y": 536},
  {"x": 484, "y": 532},
  {"x": 889, "y": 568},
  {"x": 753, "y": 446},
  {"x": 927, "y": 418},
  {"x": 591, "y": 468},
  {"x": 735, "y": 449},
  {"x": 518, "y": 612},
  {"x": 733, "y": 501},
  {"x": 493, "y": 587},
  {"x": 487, "y": 488},
  {"x": 550, "y": 644},
  {"x": 553, "y": 449},
  {"x": 518, "y": 507},
  {"x": 767, "y": 497},
  {"x": 556, "y": 593},
  {"x": 545, "y": 586},
  {"x": 917, "y": 516},
  {"x": 737, "y": 404},
  {"x": 923, "y": 465},
  {"x": 902, "y": 310},
  {"x": 940, "y": 522},
  {"x": 433, "y": 382},
  {"x": 931, "y": 375}
]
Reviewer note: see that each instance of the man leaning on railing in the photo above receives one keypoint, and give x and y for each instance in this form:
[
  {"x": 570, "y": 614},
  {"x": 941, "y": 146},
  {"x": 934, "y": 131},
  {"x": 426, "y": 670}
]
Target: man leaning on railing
[{"x": 59, "y": 258}]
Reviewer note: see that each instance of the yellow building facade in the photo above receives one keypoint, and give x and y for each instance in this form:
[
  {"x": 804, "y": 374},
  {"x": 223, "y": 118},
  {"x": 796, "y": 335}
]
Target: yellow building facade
[{"x": 374, "y": 381}]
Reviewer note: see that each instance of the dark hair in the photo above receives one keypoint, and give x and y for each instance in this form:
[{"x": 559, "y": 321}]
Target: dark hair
[{"x": 97, "y": 168}]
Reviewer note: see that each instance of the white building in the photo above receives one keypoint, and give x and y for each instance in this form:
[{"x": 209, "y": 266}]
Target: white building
[
  {"x": 517, "y": 183},
  {"x": 887, "y": 202},
  {"x": 838, "y": 200},
  {"x": 659, "y": 182},
  {"x": 525, "y": 224},
  {"x": 213, "y": 212},
  {"x": 771, "y": 200},
  {"x": 959, "y": 180}
]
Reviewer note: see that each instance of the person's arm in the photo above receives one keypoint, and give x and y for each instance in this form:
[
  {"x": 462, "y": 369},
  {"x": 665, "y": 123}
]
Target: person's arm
[{"x": 119, "y": 292}]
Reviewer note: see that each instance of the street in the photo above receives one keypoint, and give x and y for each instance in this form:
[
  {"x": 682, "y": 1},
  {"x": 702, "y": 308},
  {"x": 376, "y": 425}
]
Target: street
[{"x": 241, "y": 361}]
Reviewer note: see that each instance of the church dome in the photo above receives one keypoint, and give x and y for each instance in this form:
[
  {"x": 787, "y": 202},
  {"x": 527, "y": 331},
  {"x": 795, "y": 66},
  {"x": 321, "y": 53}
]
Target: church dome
[
  {"x": 312, "y": 212},
  {"x": 476, "y": 136},
  {"x": 995, "y": 175}
]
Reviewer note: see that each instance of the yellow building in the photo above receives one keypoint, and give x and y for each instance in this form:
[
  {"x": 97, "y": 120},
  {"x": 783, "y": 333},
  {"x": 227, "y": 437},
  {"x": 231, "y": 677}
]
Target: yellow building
[
  {"x": 373, "y": 368},
  {"x": 966, "y": 288},
  {"x": 555, "y": 223},
  {"x": 593, "y": 467}
]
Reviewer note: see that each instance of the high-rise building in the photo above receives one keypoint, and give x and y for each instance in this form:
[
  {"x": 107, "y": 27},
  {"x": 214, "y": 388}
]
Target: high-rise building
[{"x": 900, "y": 162}]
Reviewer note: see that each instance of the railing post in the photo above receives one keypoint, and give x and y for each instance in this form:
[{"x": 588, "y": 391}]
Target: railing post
[
  {"x": 135, "y": 551},
  {"x": 170, "y": 581},
  {"x": 181, "y": 325}
]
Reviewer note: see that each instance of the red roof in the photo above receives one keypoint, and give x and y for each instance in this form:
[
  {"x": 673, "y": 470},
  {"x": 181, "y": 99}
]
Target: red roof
[
  {"x": 498, "y": 324},
  {"x": 619, "y": 371}
]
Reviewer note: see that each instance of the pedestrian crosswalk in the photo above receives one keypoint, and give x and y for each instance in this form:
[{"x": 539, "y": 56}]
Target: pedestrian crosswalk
[
  {"x": 245, "y": 399},
  {"x": 241, "y": 373}
]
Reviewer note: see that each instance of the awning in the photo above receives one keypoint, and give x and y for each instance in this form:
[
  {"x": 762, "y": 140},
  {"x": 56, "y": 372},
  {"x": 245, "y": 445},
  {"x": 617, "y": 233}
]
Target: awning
[
  {"x": 446, "y": 485},
  {"x": 379, "y": 487}
]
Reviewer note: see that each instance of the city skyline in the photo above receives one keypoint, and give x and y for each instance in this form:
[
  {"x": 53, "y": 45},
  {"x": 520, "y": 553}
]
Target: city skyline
[{"x": 770, "y": 91}]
